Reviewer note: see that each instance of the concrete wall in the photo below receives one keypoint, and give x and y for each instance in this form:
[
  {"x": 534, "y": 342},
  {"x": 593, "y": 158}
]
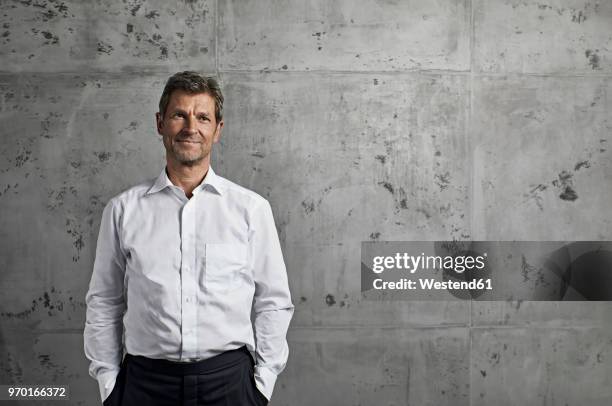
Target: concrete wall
[{"x": 359, "y": 121}]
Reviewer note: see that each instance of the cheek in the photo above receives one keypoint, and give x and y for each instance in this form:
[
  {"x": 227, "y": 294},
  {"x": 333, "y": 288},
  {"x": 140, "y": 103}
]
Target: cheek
[
  {"x": 208, "y": 132},
  {"x": 173, "y": 128}
]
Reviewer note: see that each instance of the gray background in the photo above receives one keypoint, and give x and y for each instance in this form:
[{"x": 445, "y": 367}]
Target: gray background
[{"x": 359, "y": 121}]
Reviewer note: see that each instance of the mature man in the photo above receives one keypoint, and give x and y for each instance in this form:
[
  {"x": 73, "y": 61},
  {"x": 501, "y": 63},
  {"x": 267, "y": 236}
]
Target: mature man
[{"x": 189, "y": 280}]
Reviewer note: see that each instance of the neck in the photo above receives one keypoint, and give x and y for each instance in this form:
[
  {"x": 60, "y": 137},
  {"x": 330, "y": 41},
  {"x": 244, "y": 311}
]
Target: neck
[{"x": 187, "y": 177}]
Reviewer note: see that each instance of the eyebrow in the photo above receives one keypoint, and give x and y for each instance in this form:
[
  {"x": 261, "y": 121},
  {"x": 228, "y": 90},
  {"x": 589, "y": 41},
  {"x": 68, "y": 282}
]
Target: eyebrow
[
  {"x": 171, "y": 112},
  {"x": 177, "y": 110}
]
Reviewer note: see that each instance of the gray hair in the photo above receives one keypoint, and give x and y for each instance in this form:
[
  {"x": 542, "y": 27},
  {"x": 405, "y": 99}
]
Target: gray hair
[{"x": 192, "y": 82}]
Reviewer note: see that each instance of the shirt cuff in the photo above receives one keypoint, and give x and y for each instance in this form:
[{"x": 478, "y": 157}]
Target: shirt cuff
[
  {"x": 265, "y": 380},
  {"x": 107, "y": 381}
]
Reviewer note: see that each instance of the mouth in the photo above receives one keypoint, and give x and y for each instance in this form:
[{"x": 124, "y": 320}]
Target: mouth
[{"x": 188, "y": 142}]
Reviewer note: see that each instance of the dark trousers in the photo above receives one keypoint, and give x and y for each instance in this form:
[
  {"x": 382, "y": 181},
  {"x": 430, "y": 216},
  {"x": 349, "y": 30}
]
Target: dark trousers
[{"x": 224, "y": 380}]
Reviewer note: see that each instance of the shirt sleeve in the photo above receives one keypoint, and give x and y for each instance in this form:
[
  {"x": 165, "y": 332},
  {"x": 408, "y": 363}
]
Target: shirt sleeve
[
  {"x": 106, "y": 304},
  {"x": 272, "y": 306}
]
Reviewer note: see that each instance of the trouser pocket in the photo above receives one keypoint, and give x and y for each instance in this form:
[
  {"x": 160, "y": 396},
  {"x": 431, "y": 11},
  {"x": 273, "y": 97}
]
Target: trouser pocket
[
  {"x": 258, "y": 397},
  {"x": 114, "y": 399}
]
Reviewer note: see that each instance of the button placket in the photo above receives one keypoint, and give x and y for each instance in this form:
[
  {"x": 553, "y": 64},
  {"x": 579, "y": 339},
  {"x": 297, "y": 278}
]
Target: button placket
[{"x": 188, "y": 281}]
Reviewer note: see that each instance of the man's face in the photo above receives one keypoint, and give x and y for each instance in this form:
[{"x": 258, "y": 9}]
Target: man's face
[{"x": 189, "y": 128}]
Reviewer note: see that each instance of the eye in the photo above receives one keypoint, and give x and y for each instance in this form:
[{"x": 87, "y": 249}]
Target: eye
[
  {"x": 177, "y": 114},
  {"x": 203, "y": 118}
]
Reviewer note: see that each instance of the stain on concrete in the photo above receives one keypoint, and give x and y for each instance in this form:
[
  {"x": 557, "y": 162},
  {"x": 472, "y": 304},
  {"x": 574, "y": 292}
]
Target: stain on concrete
[
  {"x": 517, "y": 304},
  {"x": 103, "y": 156},
  {"x": 134, "y": 6},
  {"x": 51, "y": 38},
  {"x": 11, "y": 367},
  {"x": 22, "y": 314},
  {"x": 152, "y": 14},
  {"x": 578, "y": 16},
  {"x": 565, "y": 183},
  {"x": 593, "y": 58},
  {"x": 51, "y": 367},
  {"x": 568, "y": 194},
  {"x": 330, "y": 300},
  {"x": 56, "y": 197},
  {"x": 49, "y": 302},
  {"x": 48, "y": 15},
  {"x": 22, "y": 157},
  {"x": 381, "y": 158},
  {"x": 48, "y": 122},
  {"x": 374, "y": 236},
  {"x": 582, "y": 164},
  {"x": 318, "y": 36},
  {"x": 533, "y": 274},
  {"x": 104, "y": 48},
  {"x": 535, "y": 194},
  {"x": 73, "y": 228},
  {"x": 6, "y": 189},
  {"x": 495, "y": 358},
  {"x": 308, "y": 206},
  {"x": 163, "y": 52},
  {"x": 526, "y": 269},
  {"x": 442, "y": 180},
  {"x": 425, "y": 213},
  {"x": 387, "y": 186}
]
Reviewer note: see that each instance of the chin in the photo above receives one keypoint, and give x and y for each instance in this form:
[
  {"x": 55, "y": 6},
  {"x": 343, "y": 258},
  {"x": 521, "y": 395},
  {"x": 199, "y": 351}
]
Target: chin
[
  {"x": 190, "y": 162},
  {"x": 193, "y": 163},
  {"x": 188, "y": 158}
]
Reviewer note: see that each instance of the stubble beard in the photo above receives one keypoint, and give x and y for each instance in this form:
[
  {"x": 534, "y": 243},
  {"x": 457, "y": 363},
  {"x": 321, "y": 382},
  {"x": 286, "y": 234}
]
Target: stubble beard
[{"x": 186, "y": 158}]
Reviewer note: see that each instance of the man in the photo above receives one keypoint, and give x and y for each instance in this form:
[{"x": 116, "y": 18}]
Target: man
[{"x": 189, "y": 279}]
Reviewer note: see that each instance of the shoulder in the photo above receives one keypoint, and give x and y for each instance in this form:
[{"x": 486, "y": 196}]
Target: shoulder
[
  {"x": 241, "y": 195},
  {"x": 131, "y": 194}
]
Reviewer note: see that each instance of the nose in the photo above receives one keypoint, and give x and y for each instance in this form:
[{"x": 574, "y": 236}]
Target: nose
[{"x": 191, "y": 125}]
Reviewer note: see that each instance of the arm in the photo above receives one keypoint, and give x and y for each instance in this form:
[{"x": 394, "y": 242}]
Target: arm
[
  {"x": 106, "y": 304},
  {"x": 272, "y": 305}
]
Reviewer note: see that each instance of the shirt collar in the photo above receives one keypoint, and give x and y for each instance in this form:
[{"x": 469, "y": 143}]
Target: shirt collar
[{"x": 163, "y": 181}]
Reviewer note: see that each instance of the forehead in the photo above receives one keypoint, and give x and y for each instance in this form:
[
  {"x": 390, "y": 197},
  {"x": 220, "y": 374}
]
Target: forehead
[{"x": 201, "y": 102}]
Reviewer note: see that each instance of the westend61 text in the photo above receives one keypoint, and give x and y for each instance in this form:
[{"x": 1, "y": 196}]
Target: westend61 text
[{"x": 432, "y": 284}]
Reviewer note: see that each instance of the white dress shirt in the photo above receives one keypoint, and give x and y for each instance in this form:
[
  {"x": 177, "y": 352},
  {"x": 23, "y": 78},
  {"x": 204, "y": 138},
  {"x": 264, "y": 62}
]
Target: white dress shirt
[{"x": 179, "y": 279}]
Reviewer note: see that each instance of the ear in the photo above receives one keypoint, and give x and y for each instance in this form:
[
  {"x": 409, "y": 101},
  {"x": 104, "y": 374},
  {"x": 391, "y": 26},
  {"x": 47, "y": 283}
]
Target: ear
[
  {"x": 159, "y": 122},
  {"x": 217, "y": 135}
]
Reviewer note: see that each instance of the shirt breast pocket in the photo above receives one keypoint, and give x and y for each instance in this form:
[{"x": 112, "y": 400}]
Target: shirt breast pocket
[{"x": 226, "y": 265}]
